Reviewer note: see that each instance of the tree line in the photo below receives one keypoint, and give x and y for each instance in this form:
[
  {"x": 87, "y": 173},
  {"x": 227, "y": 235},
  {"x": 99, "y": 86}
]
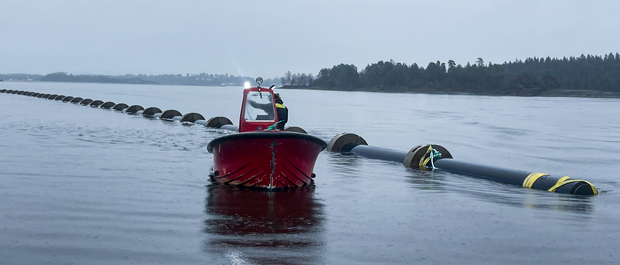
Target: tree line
[
  {"x": 529, "y": 77},
  {"x": 202, "y": 79},
  {"x": 64, "y": 77}
]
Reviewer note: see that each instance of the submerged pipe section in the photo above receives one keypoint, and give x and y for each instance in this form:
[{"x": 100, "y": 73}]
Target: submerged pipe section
[{"x": 431, "y": 156}]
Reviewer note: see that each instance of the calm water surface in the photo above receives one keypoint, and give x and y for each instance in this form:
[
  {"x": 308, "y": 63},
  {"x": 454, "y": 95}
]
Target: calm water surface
[{"x": 81, "y": 185}]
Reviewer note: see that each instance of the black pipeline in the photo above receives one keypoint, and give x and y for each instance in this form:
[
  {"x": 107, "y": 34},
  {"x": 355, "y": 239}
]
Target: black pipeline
[
  {"x": 431, "y": 156},
  {"x": 151, "y": 112}
]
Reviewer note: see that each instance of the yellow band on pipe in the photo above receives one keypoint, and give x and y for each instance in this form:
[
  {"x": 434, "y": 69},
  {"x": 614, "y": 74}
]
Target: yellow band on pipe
[
  {"x": 565, "y": 180},
  {"x": 531, "y": 178},
  {"x": 560, "y": 182}
]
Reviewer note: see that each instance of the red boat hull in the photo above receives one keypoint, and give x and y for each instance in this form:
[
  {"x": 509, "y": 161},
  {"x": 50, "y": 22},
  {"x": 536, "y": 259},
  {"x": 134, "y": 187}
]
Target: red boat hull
[{"x": 267, "y": 160}]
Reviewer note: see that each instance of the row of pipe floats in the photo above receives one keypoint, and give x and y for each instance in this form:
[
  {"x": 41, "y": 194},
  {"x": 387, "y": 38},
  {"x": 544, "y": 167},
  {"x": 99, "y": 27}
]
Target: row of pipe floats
[
  {"x": 425, "y": 157},
  {"x": 151, "y": 112}
]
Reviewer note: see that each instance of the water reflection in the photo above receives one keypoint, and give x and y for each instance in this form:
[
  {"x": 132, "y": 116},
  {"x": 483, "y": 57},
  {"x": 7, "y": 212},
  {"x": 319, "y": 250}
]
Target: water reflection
[
  {"x": 345, "y": 164},
  {"x": 264, "y": 227},
  {"x": 559, "y": 202},
  {"x": 498, "y": 192},
  {"x": 426, "y": 180}
]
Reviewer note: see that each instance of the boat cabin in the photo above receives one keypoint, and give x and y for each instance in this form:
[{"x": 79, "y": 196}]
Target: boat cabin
[{"x": 258, "y": 110}]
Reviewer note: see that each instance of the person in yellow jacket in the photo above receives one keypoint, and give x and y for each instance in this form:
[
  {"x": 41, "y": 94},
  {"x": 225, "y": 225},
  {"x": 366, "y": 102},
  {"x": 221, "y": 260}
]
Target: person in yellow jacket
[{"x": 282, "y": 111}]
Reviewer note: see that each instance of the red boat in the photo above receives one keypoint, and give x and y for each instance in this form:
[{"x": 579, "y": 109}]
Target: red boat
[{"x": 260, "y": 156}]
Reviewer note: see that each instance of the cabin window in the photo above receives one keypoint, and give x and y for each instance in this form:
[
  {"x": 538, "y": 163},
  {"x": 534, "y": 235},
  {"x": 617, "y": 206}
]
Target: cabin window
[{"x": 259, "y": 107}]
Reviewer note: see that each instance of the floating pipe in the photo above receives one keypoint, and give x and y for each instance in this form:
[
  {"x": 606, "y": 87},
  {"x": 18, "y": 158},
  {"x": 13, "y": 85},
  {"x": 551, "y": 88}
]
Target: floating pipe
[
  {"x": 107, "y": 105},
  {"x": 152, "y": 112},
  {"x": 171, "y": 115},
  {"x": 86, "y": 101},
  {"x": 96, "y": 103},
  {"x": 422, "y": 156},
  {"x": 377, "y": 152},
  {"x": 201, "y": 122},
  {"x": 120, "y": 106},
  {"x": 339, "y": 141},
  {"x": 192, "y": 117},
  {"x": 230, "y": 127},
  {"x": 526, "y": 179},
  {"x": 3, "y": 90},
  {"x": 218, "y": 122},
  {"x": 429, "y": 156},
  {"x": 76, "y": 100},
  {"x": 134, "y": 109}
]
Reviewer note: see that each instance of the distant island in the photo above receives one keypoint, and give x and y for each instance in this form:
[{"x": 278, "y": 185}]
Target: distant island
[
  {"x": 583, "y": 76},
  {"x": 202, "y": 79},
  {"x": 64, "y": 77}
]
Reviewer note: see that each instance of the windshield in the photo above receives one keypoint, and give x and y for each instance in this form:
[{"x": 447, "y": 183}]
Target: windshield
[{"x": 259, "y": 107}]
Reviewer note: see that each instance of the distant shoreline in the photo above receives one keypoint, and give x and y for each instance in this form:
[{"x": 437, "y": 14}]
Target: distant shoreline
[{"x": 532, "y": 93}]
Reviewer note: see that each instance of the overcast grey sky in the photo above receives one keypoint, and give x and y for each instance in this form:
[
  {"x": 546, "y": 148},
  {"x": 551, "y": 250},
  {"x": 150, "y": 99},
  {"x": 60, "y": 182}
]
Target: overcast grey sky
[{"x": 268, "y": 38}]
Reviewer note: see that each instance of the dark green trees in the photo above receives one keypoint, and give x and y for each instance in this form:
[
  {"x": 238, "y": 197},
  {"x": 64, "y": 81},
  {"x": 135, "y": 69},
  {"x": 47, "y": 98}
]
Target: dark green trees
[
  {"x": 527, "y": 77},
  {"x": 342, "y": 76}
]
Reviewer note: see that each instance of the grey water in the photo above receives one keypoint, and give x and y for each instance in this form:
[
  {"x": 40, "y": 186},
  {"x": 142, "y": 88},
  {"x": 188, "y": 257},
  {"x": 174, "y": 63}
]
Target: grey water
[{"x": 81, "y": 185}]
